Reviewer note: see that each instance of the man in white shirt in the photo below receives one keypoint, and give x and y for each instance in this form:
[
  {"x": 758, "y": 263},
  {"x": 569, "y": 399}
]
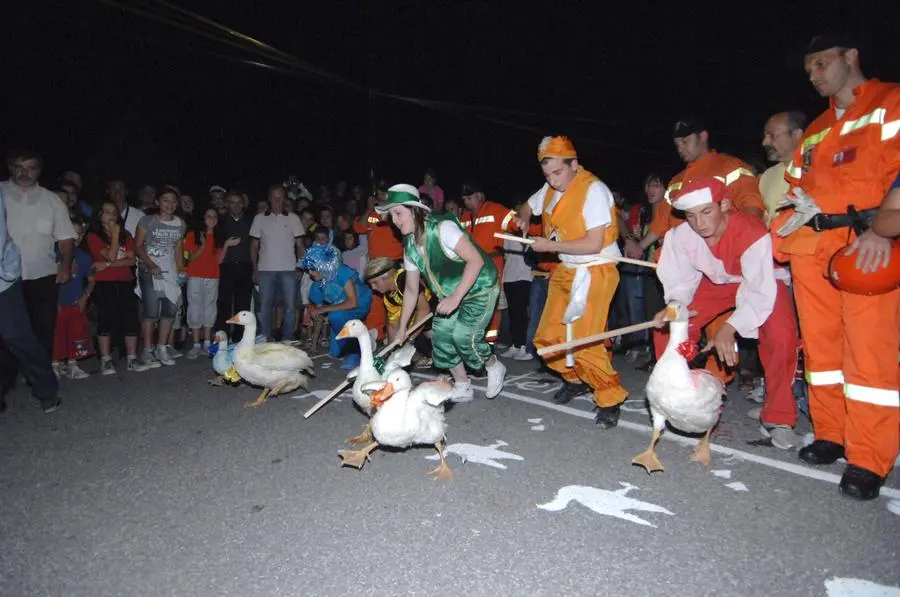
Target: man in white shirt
[
  {"x": 38, "y": 224},
  {"x": 275, "y": 246},
  {"x": 118, "y": 194}
]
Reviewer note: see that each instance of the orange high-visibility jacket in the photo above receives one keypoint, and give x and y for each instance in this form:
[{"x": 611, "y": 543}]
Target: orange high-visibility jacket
[
  {"x": 742, "y": 187},
  {"x": 852, "y": 160},
  {"x": 490, "y": 218},
  {"x": 383, "y": 241}
]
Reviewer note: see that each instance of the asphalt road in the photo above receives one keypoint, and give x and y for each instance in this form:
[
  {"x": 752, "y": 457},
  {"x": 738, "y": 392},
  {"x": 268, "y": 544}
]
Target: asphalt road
[{"x": 156, "y": 484}]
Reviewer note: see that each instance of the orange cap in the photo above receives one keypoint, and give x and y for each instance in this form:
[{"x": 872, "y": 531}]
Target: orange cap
[{"x": 556, "y": 147}]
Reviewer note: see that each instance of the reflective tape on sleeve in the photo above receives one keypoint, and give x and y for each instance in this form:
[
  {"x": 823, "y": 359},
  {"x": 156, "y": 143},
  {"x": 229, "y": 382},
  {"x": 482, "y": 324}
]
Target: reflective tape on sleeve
[
  {"x": 824, "y": 378},
  {"x": 890, "y": 129},
  {"x": 736, "y": 174},
  {"x": 815, "y": 139},
  {"x": 876, "y": 396},
  {"x": 794, "y": 171},
  {"x": 507, "y": 219}
]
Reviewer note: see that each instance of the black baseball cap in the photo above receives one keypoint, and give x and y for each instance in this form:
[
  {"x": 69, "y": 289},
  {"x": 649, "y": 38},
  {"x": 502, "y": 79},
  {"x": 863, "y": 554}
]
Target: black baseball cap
[
  {"x": 688, "y": 126},
  {"x": 832, "y": 39},
  {"x": 470, "y": 188}
]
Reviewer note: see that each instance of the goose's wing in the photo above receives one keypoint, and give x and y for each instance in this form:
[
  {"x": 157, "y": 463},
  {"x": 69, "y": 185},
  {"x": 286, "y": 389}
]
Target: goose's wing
[
  {"x": 433, "y": 393},
  {"x": 279, "y": 356},
  {"x": 400, "y": 358}
]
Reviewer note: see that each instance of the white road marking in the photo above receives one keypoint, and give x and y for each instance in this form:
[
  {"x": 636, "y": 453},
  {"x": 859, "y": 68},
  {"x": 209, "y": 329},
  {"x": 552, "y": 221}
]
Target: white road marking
[
  {"x": 486, "y": 455},
  {"x": 787, "y": 467},
  {"x": 737, "y": 486},
  {"x": 855, "y": 587},
  {"x": 605, "y": 502},
  {"x": 894, "y": 506},
  {"x": 722, "y": 474}
]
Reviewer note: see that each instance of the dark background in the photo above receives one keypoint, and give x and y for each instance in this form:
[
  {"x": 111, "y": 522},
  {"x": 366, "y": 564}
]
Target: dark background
[{"x": 110, "y": 93}]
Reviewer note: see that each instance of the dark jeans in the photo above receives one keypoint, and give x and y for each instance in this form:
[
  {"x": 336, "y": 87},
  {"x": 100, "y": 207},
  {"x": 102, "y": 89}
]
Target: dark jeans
[
  {"x": 20, "y": 348},
  {"x": 537, "y": 299},
  {"x": 517, "y": 298},
  {"x": 235, "y": 290},
  {"x": 41, "y": 298}
]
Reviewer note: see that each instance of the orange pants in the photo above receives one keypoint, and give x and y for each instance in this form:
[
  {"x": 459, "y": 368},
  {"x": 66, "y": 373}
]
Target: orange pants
[
  {"x": 377, "y": 317},
  {"x": 593, "y": 364},
  {"x": 850, "y": 343}
]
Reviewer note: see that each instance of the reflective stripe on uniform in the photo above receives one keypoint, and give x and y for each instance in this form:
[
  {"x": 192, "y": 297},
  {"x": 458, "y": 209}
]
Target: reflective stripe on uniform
[
  {"x": 877, "y": 396},
  {"x": 675, "y": 186},
  {"x": 876, "y": 116},
  {"x": 507, "y": 220},
  {"x": 824, "y": 378},
  {"x": 374, "y": 220},
  {"x": 484, "y": 220},
  {"x": 815, "y": 139},
  {"x": 734, "y": 175},
  {"x": 794, "y": 171},
  {"x": 490, "y": 334},
  {"x": 890, "y": 129}
]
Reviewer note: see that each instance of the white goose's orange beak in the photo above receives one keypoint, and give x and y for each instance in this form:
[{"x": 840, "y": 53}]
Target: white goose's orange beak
[
  {"x": 344, "y": 333},
  {"x": 671, "y": 313},
  {"x": 382, "y": 396}
]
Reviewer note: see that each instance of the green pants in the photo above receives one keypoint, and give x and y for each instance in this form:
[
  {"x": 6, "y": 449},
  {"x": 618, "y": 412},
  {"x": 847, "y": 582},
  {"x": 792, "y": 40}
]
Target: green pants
[{"x": 459, "y": 337}]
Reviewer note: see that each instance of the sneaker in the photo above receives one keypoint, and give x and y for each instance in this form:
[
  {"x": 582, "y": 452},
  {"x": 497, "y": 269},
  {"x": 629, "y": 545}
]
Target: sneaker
[
  {"x": 523, "y": 355},
  {"x": 162, "y": 355},
  {"x": 134, "y": 365},
  {"x": 172, "y": 352},
  {"x": 424, "y": 363},
  {"x": 149, "y": 360},
  {"x": 107, "y": 367},
  {"x": 195, "y": 351},
  {"x": 462, "y": 392},
  {"x": 51, "y": 405},
  {"x": 496, "y": 372},
  {"x": 754, "y": 413},
  {"x": 510, "y": 352},
  {"x": 569, "y": 391},
  {"x": 782, "y": 436},
  {"x": 758, "y": 393},
  {"x": 76, "y": 372},
  {"x": 59, "y": 369}
]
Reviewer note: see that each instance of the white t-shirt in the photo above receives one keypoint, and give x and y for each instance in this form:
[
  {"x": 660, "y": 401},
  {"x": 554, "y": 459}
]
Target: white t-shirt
[
  {"x": 596, "y": 212},
  {"x": 36, "y": 218},
  {"x": 131, "y": 216},
  {"x": 515, "y": 269},
  {"x": 277, "y": 234},
  {"x": 449, "y": 235}
]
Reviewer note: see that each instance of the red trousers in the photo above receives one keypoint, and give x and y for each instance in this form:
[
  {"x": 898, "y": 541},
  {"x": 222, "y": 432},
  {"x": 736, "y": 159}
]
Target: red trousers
[
  {"x": 71, "y": 340},
  {"x": 778, "y": 344},
  {"x": 377, "y": 316}
]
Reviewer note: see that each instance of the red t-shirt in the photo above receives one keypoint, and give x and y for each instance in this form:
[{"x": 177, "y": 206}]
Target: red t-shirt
[
  {"x": 206, "y": 263},
  {"x": 120, "y": 273}
]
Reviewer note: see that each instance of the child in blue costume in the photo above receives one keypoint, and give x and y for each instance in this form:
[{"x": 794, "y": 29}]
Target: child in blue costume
[{"x": 338, "y": 292}]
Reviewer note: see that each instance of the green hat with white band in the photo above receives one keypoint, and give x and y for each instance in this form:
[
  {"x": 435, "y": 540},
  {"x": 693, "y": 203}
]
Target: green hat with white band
[{"x": 402, "y": 194}]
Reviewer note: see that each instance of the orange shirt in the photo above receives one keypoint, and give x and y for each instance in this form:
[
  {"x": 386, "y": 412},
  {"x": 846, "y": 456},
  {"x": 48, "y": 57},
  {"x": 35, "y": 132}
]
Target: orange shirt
[
  {"x": 741, "y": 185},
  {"x": 659, "y": 224},
  {"x": 383, "y": 241},
  {"x": 851, "y": 160},
  {"x": 489, "y": 219},
  {"x": 205, "y": 264}
]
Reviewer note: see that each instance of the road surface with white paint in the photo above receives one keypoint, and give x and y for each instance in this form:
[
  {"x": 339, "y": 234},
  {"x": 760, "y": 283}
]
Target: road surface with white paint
[{"x": 156, "y": 484}]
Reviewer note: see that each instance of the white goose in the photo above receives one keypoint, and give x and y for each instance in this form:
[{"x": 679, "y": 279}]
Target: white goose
[
  {"x": 689, "y": 399},
  {"x": 367, "y": 372},
  {"x": 406, "y": 416},
  {"x": 276, "y": 367}
]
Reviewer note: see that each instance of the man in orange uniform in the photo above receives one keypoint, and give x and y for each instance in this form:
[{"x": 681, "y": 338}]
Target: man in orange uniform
[
  {"x": 692, "y": 143},
  {"x": 482, "y": 219},
  {"x": 579, "y": 223},
  {"x": 840, "y": 173},
  {"x": 383, "y": 241}
]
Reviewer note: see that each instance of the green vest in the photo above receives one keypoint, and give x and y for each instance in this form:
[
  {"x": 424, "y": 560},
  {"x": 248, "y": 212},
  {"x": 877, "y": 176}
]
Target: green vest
[{"x": 441, "y": 272}]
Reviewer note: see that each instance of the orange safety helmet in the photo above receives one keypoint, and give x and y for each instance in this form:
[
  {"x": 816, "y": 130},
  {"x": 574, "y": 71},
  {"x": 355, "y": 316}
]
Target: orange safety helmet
[{"x": 844, "y": 276}]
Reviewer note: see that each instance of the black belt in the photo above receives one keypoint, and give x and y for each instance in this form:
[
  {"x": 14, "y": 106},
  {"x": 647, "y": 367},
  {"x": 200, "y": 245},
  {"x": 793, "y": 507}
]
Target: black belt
[{"x": 859, "y": 220}]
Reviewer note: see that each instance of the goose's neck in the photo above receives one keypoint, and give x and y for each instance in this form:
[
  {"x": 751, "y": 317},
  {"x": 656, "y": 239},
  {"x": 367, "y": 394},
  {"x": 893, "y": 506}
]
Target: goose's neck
[
  {"x": 248, "y": 339},
  {"x": 365, "y": 352},
  {"x": 678, "y": 333}
]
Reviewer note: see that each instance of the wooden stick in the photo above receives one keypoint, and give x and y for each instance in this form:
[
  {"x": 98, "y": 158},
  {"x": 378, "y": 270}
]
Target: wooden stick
[
  {"x": 528, "y": 241},
  {"x": 346, "y": 382},
  {"x": 595, "y": 338}
]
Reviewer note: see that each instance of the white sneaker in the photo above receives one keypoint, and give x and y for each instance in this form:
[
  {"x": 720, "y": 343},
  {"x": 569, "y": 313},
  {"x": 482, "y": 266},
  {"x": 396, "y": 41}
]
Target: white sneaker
[
  {"x": 59, "y": 369},
  {"x": 149, "y": 360},
  {"x": 107, "y": 367},
  {"x": 523, "y": 355},
  {"x": 135, "y": 366},
  {"x": 510, "y": 352},
  {"x": 782, "y": 436},
  {"x": 173, "y": 354},
  {"x": 162, "y": 355},
  {"x": 194, "y": 352},
  {"x": 76, "y": 372},
  {"x": 462, "y": 392},
  {"x": 495, "y": 374}
]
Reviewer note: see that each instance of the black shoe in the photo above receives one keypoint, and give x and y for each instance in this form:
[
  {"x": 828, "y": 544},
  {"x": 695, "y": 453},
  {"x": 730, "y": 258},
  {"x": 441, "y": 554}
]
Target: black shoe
[
  {"x": 50, "y": 406},
  {"x": 568, "y": 391},
  {"x": 859, "y": 483},
  {"x": 821, "y": 451},
  {"x": 607, "y": 416},
  {"x": 646, "y": 367}
]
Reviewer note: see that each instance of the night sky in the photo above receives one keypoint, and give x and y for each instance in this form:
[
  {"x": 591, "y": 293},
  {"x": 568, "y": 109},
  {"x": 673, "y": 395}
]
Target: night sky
[{"x": 110, "y": 93}]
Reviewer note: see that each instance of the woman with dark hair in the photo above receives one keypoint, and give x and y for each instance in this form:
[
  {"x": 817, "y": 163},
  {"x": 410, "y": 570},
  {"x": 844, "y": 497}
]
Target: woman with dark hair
[
  {"x": 461, "y": 276},
  {"x": 112, "y": 251}
]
